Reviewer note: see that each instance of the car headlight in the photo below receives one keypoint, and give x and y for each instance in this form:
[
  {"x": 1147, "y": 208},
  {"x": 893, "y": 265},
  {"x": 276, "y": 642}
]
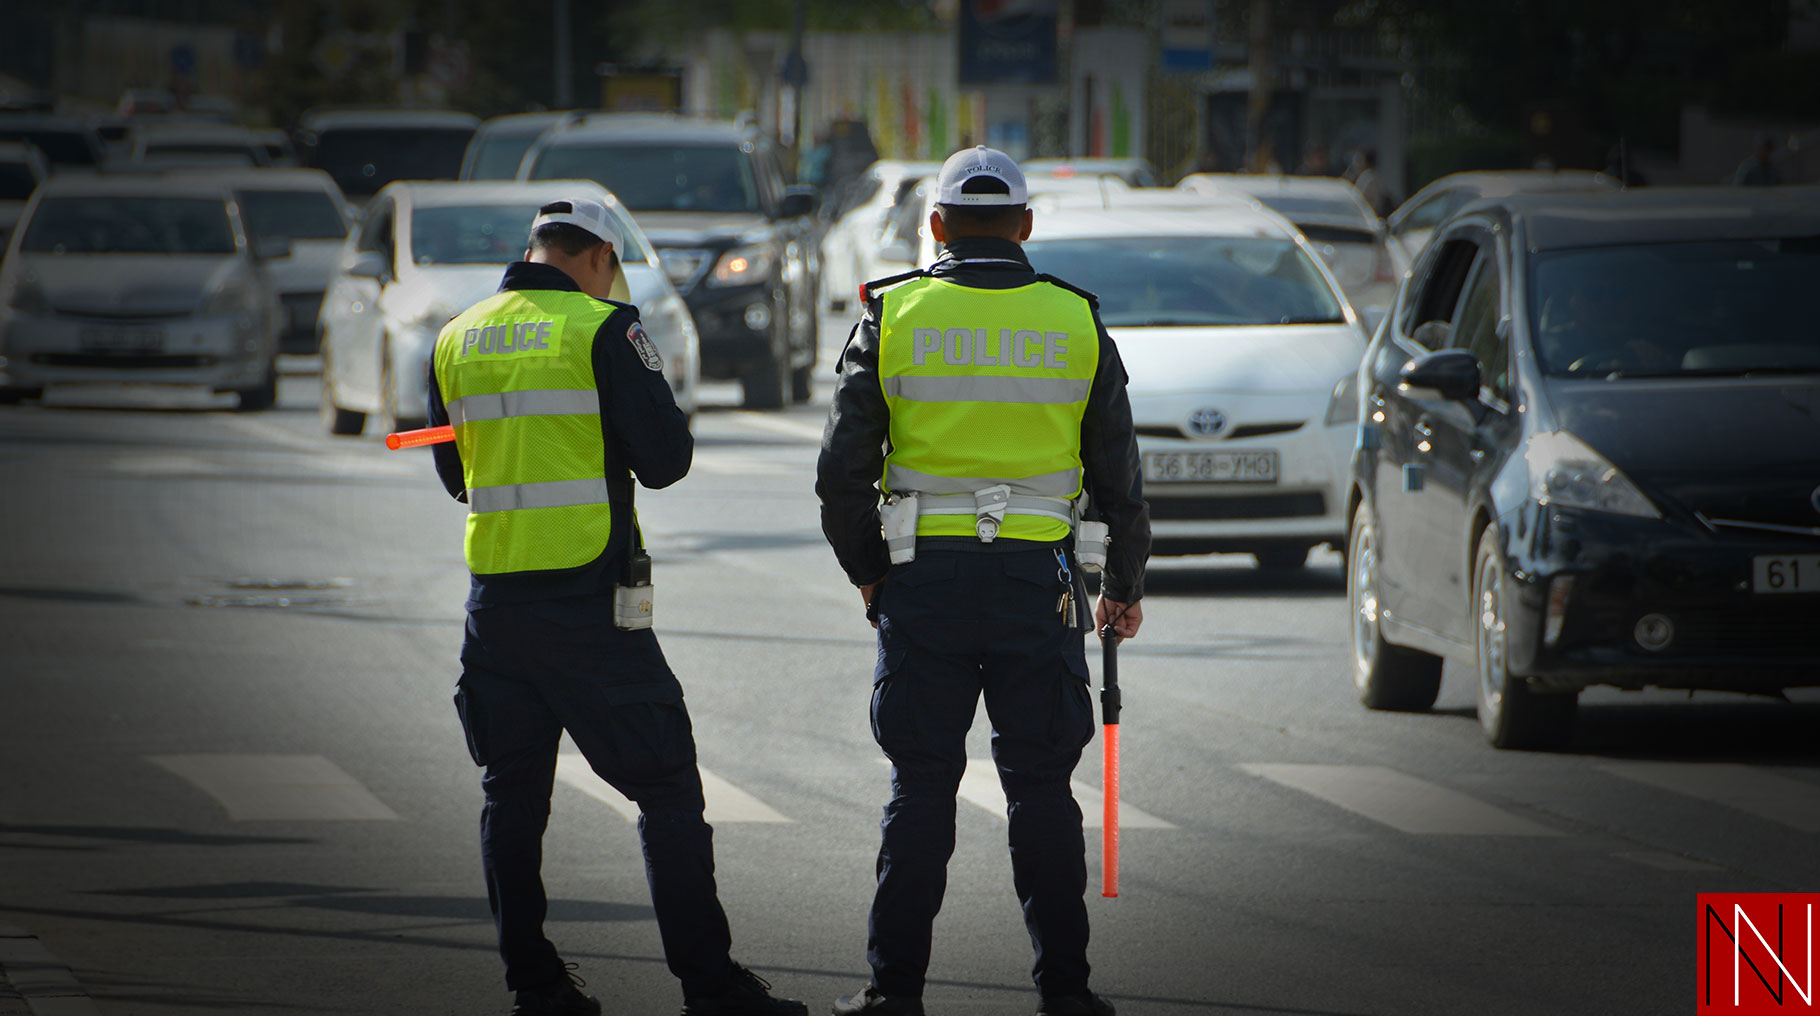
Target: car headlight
[
  {"x": 1563, "y": 470},
  {"x": 745, "y": 265},
  {"x": 28, "y": 297},
  {"x": 1343, "y": 407}
]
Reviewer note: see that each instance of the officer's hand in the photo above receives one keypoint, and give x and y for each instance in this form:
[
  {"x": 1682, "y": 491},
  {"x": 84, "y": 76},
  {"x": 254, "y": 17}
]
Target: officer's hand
[
  {"x": 866, "y": 594},
  {"x": 1124, "y": 617}
]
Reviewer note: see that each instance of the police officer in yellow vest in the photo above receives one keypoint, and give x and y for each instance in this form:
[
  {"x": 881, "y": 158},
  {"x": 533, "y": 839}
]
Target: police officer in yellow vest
[
  {"x": 986, "y": 404},
  {"x": 558, "y": 398}
]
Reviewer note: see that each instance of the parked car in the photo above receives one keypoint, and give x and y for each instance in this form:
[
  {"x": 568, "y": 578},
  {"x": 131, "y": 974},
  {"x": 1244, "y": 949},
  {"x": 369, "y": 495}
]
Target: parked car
[
  {"x": 22, "y": 169},
  {"x": 907, "y": 243},
  {"x": 304, "y": 209},
  {"x": 1133, "y": 171},
  {"x": 137, "y": 279},
  {"x": 1587, "y": 456},
  {"x": 167, "y": 139},
  {"x": 1234, "y": 335},
  {"x": 850, "y": 246},
  {"x": 1416, "y": 219},
  {"x": 365, "y": 149},
  {"x": 68, "y": 143},
  {"x": 496, "y": 148},
  {"x": 425, "y": 252},
  {"x": 735, "y": 239},
  {"x": 1339, "y": 224}
]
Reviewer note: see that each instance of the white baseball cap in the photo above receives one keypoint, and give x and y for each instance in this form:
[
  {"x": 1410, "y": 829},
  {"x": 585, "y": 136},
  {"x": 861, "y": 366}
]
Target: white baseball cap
[
  {"x": 973, "y": 163},
  {"x": 587, "y": 215}
]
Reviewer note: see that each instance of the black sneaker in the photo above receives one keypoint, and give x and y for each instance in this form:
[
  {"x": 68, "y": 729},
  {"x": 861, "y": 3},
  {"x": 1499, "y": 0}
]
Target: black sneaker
[
  {"x": 1087, "y": 1004},
  {"x": 744, "y": 994},
  {"x": 558, "y": 998},
  {"x": 871, "y": 1000}
]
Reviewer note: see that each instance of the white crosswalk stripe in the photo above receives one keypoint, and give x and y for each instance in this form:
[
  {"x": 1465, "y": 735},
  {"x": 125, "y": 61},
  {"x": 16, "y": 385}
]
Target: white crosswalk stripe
[
  {"x": 726, "y": 802},
  {"x": 980, "y": 787},
  {"x": 278, "y": 787},
  {"x": 1398, "y": 800},
  {"x": 1748, "y": 789}
]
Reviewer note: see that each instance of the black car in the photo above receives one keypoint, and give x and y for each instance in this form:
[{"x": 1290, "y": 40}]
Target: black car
[
  {"x": 734, "y": 237},
  {"x": 1589, "y": 453}
]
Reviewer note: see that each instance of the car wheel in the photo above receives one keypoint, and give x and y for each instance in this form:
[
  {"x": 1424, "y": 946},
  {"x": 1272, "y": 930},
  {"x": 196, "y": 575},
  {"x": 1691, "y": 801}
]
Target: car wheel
[
  {"x": 261, "y": 396},
  {"x": 391, "y": 420},
  {"x": 768, "y": 386},
  {"x": 1513, "y": 714},
  {"x": 1282, "y": 558},
  {"x": 336, "y": 420},
  {"x": 1387, "y": 676},
  {"x": 802, "y": 383},
  {"x": 12, "y": 396}
]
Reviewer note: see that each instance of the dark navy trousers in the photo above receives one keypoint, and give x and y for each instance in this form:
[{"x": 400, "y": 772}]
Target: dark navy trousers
[
  {"x": 954, "y": 625},
  {"x": 532, "y": 671}
]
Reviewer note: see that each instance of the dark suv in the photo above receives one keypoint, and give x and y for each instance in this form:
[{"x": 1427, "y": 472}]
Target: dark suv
[
  {"x": 736, "y": 240},
  {"x": 1586, "y": 455}
]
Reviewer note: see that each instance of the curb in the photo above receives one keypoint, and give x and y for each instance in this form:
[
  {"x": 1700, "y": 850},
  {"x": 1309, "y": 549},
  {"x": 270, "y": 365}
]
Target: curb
[{"x": 38, "y": 977}]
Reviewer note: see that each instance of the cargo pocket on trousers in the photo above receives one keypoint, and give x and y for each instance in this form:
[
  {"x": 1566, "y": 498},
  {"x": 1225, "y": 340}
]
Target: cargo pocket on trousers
[
  {"x": 471, "y": 726},
  {"x": 1072, "y": 723},
  {"x": 893, "y": 715}
]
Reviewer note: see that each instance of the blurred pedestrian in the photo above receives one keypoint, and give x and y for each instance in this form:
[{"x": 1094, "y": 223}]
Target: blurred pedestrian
[
  {"x": 1758, "y": 170},
  {"x": 992, "y": 401},
  {"x": 1371, "y": 187},
  {"x": 1314, "y": 161},
  {"x": 558, "y": 400}
]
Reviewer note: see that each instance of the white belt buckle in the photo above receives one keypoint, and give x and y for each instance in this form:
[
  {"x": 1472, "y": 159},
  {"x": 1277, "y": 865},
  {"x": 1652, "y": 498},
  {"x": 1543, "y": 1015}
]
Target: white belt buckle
[{"x": 989, "y": 506}]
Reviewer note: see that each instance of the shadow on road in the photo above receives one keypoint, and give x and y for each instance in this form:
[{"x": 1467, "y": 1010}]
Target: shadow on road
[
  {"x": 1709, "y": 728},
  {"x": 1302, "y": 583},
  {"x": 139, "y": 834}
]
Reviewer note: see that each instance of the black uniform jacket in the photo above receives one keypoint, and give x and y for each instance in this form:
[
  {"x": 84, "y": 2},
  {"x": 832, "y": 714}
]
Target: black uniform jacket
[
  {"x": 853, "y": 446},
  {"x": 644, "y": 430}
]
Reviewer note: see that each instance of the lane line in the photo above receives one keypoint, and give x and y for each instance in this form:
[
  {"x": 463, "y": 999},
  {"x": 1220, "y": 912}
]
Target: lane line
[
  {"x": 780, "y": 424},
  {"x": 272, "y": 788},
  {"x": 1748, "y": 789},
  {"x": 980, "y": 787},
  {"x": 726, "y": 802},
  {"x": 1664, "y": 861},
  {"x": 1398, "y": 800},
  {"x": 267, "y": 431}
]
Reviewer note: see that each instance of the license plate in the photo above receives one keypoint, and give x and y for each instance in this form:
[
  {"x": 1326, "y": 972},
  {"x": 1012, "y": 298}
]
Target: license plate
[
  {"x": 122, "y": 340},
  {"x": 1211, "y": 467},
  {"x": 1790, "y": 573}
]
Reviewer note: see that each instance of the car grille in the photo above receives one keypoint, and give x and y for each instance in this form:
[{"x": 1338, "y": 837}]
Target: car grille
[
  {"x": 1241, "y": 431},
  {"x": 124, "y": 313},
  {"x": 1760, "y": 628},
  {"x": 1239, "y": 506},
  {"x": 122, "y": 360}
]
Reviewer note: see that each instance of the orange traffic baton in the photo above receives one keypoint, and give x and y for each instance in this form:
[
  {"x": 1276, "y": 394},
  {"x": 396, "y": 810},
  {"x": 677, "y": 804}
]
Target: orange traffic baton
[
  {"x": 416, "y": 438},
  {"x": 1109, "y": 718}
]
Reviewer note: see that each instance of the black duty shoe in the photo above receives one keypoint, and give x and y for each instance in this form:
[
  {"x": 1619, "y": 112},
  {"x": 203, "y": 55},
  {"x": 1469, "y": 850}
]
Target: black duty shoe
[
  {"x": 558, "y": 998},
  {"x": 744, "y": 994},
  {"x": 871, "y": 1000},
  {"x": 1087, "y": 1004}
]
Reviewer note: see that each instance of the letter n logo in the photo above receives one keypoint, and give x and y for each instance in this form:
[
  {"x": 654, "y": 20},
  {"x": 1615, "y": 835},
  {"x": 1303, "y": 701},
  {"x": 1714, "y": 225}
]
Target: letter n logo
[{"x": 1756, "y": 954}]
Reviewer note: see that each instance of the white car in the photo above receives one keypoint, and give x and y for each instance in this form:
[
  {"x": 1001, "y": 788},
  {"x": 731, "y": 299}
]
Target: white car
[
  {"x": 906, "y": 242},
  {"x": 22, "y": 168},
  {"x": 425, "y": 252},
  {"x": 850, "y": 247},
  {"x": 163, "y": 143},
  {"x": 1236, "y": 338},
  {"x": 137, "y": 279}
]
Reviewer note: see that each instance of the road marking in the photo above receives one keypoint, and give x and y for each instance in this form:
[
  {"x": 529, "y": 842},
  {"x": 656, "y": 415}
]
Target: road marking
[
  {"x": 781, "y": 424},
  {"x": 1398, "y": 800},
  {"x": 1748, "y": 789},
  {"x": 164, "y": 465},
  {"x": 729, "y": 464},
  {"x": 726, "y": 802},
  {"x": 1664, "y": 861},
  {"x": 265, "y": 430},
  {"x": 980, "y": 787},
  {"x": 278, "y": 787}
]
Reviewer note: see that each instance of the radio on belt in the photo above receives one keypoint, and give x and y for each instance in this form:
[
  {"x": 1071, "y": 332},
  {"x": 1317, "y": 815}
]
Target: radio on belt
[{"x": 632, "y": 598}]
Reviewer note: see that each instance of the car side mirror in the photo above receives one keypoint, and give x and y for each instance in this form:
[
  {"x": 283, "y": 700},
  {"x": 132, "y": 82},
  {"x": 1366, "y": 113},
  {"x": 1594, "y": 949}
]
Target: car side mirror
[
  {"x": 898, "y": 252},
  {"x": 1452, "y": 374},
  {"x": 368, "y": 264},
  {"x": 1433, "y": 335},
  {"x": 797, "y": 202},
  {"x": 271, "y": 248}
]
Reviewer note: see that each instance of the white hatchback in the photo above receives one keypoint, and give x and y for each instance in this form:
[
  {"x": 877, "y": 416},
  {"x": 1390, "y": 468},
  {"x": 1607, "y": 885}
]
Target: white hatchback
[
  {"x": 427, "y": 251},
  {"x": 1238, "y": 344}
]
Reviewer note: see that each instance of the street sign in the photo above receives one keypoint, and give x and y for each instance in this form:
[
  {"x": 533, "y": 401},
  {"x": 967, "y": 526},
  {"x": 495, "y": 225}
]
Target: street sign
[{"x": 1188, "y": 35}]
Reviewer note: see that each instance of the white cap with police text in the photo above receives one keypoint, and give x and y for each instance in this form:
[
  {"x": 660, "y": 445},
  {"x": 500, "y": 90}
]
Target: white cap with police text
[
  {"x": 588, "y": 215},
  {"x": 973, "y": 163}
]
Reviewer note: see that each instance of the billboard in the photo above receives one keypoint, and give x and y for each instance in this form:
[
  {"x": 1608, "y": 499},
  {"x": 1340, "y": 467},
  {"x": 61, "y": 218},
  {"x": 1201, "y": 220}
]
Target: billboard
[{"x": 1004, "y": 42}]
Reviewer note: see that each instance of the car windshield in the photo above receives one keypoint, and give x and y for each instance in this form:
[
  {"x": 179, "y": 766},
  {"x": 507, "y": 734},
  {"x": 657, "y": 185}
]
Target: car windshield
[
  {"x": 1156, "y": 281},
  {"x": 492, "y": 234},
  {"x": 362, "y": 160},
  {"x": 496, "y": 155},
  {"x": 1292, "y": 205},
  {"x": 110, "y": 224},
  {"x": 659, "y": 178},
  {"x": 292, "y": 214},
  {"x": 16, "y": 181},
  {"x": 1727, "y": 307}
]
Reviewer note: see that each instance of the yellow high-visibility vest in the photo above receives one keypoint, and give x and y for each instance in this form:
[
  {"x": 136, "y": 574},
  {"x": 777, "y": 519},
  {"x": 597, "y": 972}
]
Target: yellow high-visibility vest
[
  {"x": 986, "y": 387},
  {"x": 516, "y": 372}
]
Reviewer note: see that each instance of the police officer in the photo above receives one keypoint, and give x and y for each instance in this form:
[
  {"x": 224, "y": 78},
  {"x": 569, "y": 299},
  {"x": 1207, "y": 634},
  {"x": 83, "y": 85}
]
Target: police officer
[
  {"x": 992, "y": 403},
  {"x": 558, "y": 397}
]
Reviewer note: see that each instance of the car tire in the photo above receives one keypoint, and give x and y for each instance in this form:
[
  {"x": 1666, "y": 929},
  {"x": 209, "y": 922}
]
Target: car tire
[
  {"x": 390, "y": 419},
  {"x": 1282, "y": 559},
  {"x": 336, "y": 420},
  {"x": 261, "y": 396},
  {"x": 768, "y": 386},
  {"x": 802, "y": 383},
  {"x": 1512, "y": 713},
  {"x": 12, "y": 395},
  {"x": 1387, "y": 676}
]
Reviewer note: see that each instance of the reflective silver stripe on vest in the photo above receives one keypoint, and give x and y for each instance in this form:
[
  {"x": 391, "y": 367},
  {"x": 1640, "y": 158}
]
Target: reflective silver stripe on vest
[
  {"x": 977, "y": 388},
  {"x": 553, "y": 494},
  {"x": 535, "y": 402},
  {"x": 1048, "y": 507},
  {"x": 1063, "y": 484}
]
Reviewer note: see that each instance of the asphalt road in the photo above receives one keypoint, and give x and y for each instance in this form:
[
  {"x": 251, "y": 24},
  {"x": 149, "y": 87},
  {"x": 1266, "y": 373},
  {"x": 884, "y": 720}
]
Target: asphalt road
[{"x": 233, "y": 780}]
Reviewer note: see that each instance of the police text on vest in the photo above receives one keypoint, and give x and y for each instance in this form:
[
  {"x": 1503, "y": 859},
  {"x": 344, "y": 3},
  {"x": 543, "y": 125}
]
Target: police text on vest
[
  {"x": 976, "y": 346},
  {"x": 515, "y": 337}
]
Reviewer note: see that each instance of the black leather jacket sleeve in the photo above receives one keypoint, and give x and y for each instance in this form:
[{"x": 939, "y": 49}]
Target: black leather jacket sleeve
[
  {"x": 852, "y": 460},
  {"x": 1114, "y": 478}
]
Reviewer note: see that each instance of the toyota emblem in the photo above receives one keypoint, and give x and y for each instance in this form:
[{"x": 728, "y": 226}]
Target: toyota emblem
[{"x": 1212, "y": 421}]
